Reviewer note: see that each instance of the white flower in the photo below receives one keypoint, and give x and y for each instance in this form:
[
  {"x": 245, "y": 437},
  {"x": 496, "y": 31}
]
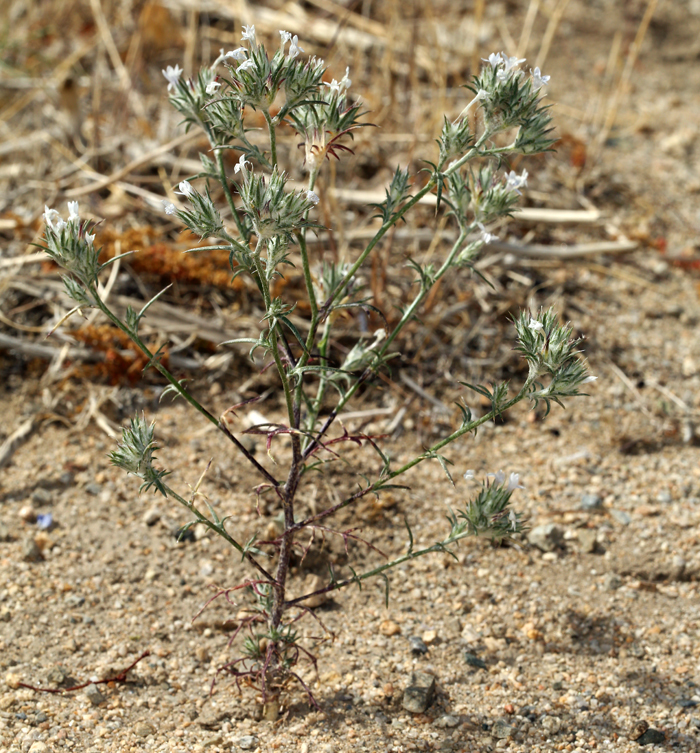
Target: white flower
[
  {"x": 498, "y": 478},
  {"x": 340, "y": 86},
  {"x": 248, "y": 34},
  {"x": 173, "y": 76},
  {"x": 239, "y": 54},
  {"x": 538, "y": 80},
  {"x": 212, "y": 87},
  {"x": 90, "y": 238},
  {"x": 246, "y": 66},
  {"x": 294, "y": 48},
  {"x": 311, "y": 197},
  {"x": 73, "y": 215},
  {"x": 494, "y": 59},
  {"x": 502, "y": 74},
  {"x": 534, "y": 325},
  {"x": 469, "y": 475},
  {"x": 515, "y": 181},
  {"x": 486, "y": 237},
  {"x": 509, "y": 63},
  {"x": 53, "y": 220},
  {"x": 185, "y": 189},
  {"x": 514, "y": 482},
  {"x": 240, "y": 165},
  {"x": 286, "y": 37},
  {"x": 169, "y": 208},
  {"x": 589, "y": 379},
  {"x": 513, "y": 518}
]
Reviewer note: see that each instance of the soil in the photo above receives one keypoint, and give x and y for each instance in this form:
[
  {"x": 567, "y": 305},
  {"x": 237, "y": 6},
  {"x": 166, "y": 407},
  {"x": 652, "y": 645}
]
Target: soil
[{"x": 589, "y": 641}]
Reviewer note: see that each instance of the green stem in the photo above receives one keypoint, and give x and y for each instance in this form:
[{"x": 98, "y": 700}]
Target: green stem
[
  {"x": 427, "y": 455},
  {"x": 273, "y": 138},
  {"x": 219, "y": 529},
  {"x": 473, "y": 152},
  {"x": 229, "y": 196},
  {"x": 153, "y": 361}
]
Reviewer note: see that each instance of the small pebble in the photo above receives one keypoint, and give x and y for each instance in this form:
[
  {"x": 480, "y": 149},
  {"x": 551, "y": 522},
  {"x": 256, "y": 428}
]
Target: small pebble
[
  {"x": 588, "y": 540},
  {"x": 651, "y": 737},
  {"x": 247, "y": 742},
  {"x": 590, "y": 502},
  {"x": 502, "y": 730},
  {"x": 474, "y": 661},
  {"x": 417, "y": 646},
  {"x": 38, "y": 747},
  {"x": 429, "y": 637},
  {"x": 612, "y": 582},
  {"x": 389, "y": 628},
  {"x": 547, "y": 537},
  {"x": 42, "y": 497},
  {"x": 93, "y": 488},
  {"x": 31, "y": 551},
  {"x": 420, "y": 693},
  {"x": 94, "y": 695},
  {"x": 622, "y": 517},
  {"x": 27, "y": 513},
  {"x": 143, "y": 729},
  {"x": 152, "y": 516}
]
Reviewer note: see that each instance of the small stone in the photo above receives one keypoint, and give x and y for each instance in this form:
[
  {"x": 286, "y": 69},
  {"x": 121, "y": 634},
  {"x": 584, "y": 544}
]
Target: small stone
[
  {"x": 152, "y": 516},
  {"x": 30, "y": 551},
  {"x": 202, "y": 654},
  {"x": 622, "y": 517},
  {"x": 143, "y": 729},
  {"x": 638, "y": 729},
  {"x": 43, "y": 541},
  {"x": 502, "y": 730},
  {"x": 5, "y": 615},
  {"x": 590, "y": 502},
  {"x": 57, "y": 676},
  {"x": 612, "y": 582},
  {"x": 664, "y": 497},
  {"x": 94, "y": 695},
  {"x": 551, "y": 724},
  {"x": 418, "y": 648},
  {"x": 12, "y": 679},
  {"x": 389, "y": 628},
  {"x": 547, "y": 537},
  {"x": 420, "y": 693},
  {"x": 651, "y": 737},
  {"x": 588, "y": 540},
  {"x": 41, "y": 717},
  {"x": 27, "y": 513},
  {"x": 42, "y": 497},
  {"x": 247, "y": 742},
  {"x": 93, "y": 488},
  {"x": 311, "y": 584},
  {"x": 474, "y": 661},
  {"x": 447, "y": 720},
  {"x": 38, "y": 747},
  {"x": 429, "y": 637},
  {"x": 4, "y": 532}
]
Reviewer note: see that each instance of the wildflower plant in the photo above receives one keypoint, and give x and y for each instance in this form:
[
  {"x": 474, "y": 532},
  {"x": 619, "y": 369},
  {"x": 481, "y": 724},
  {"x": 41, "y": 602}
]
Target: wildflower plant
[{"x": 264, "y": 226}]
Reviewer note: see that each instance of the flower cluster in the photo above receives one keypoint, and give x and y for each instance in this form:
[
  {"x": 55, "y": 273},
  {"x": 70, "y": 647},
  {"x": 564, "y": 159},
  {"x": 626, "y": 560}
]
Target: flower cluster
[
  {"x": 551, "y": 352},
  {"x": 202, "y": 217},
  {"x": 510, "y": 99},
  {"x": 70, "y": 244},
  {"x": 489, "y": 514}
]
